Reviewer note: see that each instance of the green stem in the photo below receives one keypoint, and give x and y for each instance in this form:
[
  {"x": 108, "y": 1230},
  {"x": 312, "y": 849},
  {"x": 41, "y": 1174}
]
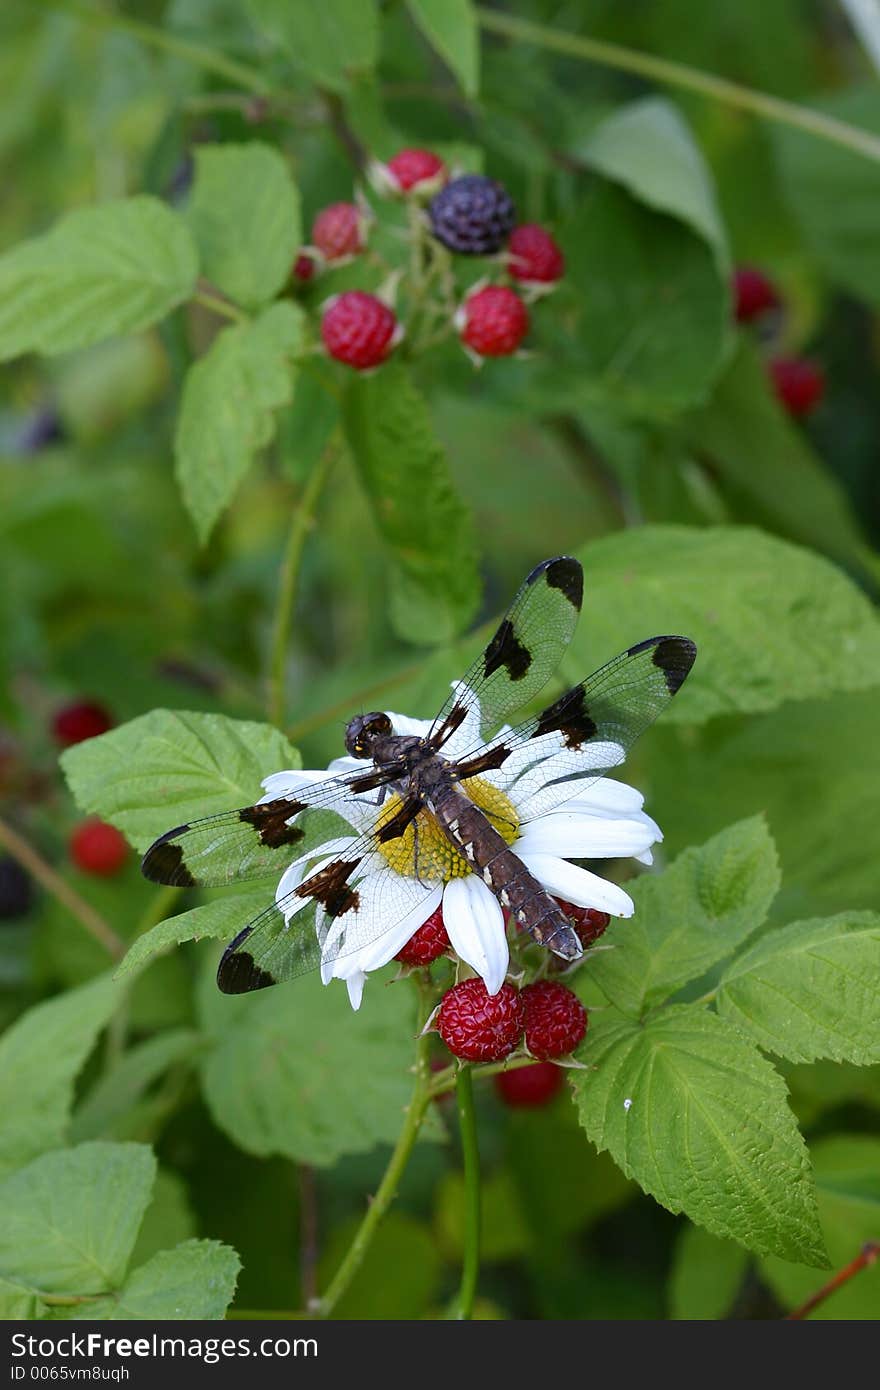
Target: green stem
[
  {"x": 385, "y": 1193},
  {"x": 444, "y": 1082},
  {"x": 196, "y": 53},
  {"x": 303, "y": 517},
  {"x": 464, "y": 1092},
  {"x": 672, "y": 74},
  {"x": 219, "y": 306}
]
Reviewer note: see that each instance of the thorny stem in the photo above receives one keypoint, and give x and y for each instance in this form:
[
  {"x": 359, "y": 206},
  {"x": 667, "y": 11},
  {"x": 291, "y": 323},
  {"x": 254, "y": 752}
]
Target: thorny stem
[
  {"x": 863, "y": 1260},
  {"x": 385, "y": 1193},
  {"x": 464, "y": 1091},
  {"x": 84, "y": 913},
  {"x": 672, "y": 74},
  {"x": 303, "y": 519}
]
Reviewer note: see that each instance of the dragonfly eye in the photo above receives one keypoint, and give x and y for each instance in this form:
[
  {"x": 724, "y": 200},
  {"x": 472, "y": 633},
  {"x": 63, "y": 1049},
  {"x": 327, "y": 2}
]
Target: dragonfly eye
[{"x": 363, "y": 730}]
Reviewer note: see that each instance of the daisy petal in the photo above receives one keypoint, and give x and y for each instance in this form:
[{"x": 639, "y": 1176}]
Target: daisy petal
[
  {"x": 386, "y": 946},
  {"x": 475, "y": 926},
  {"x": 578, "y": 886},
  {"x": 608, "y": 797},
  {"x": 533, "y": 791},
  {"x": 585, "y": 837},
  {"x": 403, "y": 725},
  {"x": 288, "y": 783},
  {"x": 355, "y": 984}
]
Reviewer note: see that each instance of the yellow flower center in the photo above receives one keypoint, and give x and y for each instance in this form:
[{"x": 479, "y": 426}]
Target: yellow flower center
[{"x": 437, "y": 856}]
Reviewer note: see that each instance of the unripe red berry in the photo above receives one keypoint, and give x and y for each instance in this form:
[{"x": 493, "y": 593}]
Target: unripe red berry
[
  {"x": 529, "y": 1086},
  {"x": 555, "y": 1019},
  {"x": 98, "y": 848},
  {"x": 410, "y": 168},
  {"x": 799, "y": 384},
  {"x": 358, "y": 329},
  {"x": 428, "y": 943},
  {"x": 479, "y": 1026},
  {"x": 76, "y": 722},
  {"x": 303, "y": 267},
  {"x": 588, "y": 922},
  {"x": 493, "y": 321},
  {"x": 338, "y": 231},
  {"x": 534, "y": 257},
  {"x": 753, "y": 293}
]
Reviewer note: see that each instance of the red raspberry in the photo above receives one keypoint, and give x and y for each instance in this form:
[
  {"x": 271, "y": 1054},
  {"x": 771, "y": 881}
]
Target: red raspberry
[
  {"x": 303, "y": 267},
  {"x": 533, "y": 1085},
  {"x": 338, "y": 231},
  {"x": 429, "y": 942},
  {"x": 494, "y": 321},
  {"x": 77, "y": 722},
  {"x": 359, "y": 329},
  {"x": 799, "y": 384},
  {"x": 410, "y": 168},
  {"x": 477, "y": 1025},
  {"x": 588, "y": 922},
  {"x": 753, "y": 294},
  {"x": 556, "y": 1020},
  {"x": 98, "y": 848},
  {"x": 535, "y": 258}
]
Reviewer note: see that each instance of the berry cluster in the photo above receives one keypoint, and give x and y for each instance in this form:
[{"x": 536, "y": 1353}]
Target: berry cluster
[
  {"x": 482, "y": 1027},
  {"x": 468, "y": 215},
  {"x": 798, "y": 382}
]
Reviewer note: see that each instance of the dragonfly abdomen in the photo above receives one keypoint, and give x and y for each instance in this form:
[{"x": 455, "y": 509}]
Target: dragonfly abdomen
[{"x": 503, "y": 872}]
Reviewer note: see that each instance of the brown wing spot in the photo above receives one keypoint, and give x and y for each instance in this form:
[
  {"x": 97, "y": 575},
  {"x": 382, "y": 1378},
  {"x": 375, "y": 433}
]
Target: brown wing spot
[
  {"x": 163, "y": 861},
  {"x": 568, "y": 716},
  {"x": 483, "y": 762},
  {"x": 454, "y": 720},
  {"x": 238, "y": 973},
  {"x": 330, "y": 887},
  {"x": 567, "y": 575},
  {"x": 399, "y": 822},
  {"x": 508, "y": 651},
  {"x": 675, "y": 656},
  {"x": 270, "y": 821}
]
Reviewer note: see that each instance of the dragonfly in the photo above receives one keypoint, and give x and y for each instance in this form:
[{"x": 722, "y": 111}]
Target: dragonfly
[{"x": 421, "y": 795}]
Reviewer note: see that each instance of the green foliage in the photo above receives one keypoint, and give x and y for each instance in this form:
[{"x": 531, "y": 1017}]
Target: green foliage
[
  {"x": 244, "y": 216},
  {"x": 708, "y": 1131},
  {"x": 809, "y": 990},
  {"x": 227, "y": 410},
  {"x": 451, "y": 26},
  {"x": 706, "y": 1276},
  {"x": 772, "y": 622},
  {"x": 189, "y": 765},
  {"x": 40, "y": 1056},
  {"x": 695, "y": 913},
  {"x": 194, "y": 1281},
  {"x": 313, "y": 1081},
  {"x": 218, "y": 920},
  {"x": 101, "y": 271},
  {"x": 421, "y": 520},
  {"x": 332, "y": 42}
]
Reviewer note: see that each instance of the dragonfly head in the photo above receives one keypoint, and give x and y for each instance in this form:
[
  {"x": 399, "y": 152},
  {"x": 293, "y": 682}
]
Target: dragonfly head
[{"x": 364, "y": 731}]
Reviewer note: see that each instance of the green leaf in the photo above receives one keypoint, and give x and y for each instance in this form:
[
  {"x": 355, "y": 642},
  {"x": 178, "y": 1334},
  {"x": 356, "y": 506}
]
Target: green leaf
[
  {"x": 195, "y": 1280},
  {"x": 168, "y": 1220},
  {"x": 121, "y": 1088},
  {"x": 810, "y": 990},
  {"x": 331, "y": 41},
  {"x": 245, "y": 216},
  {"x": 695, "y": 913},
  {"x": 188, "y": 765},
  {"x": 40, "y": 1056},
  {"x": 768, "y": 468},
  {"x": 707, "y": 1131},
  {"x": 833, "y": 191},
  {"x": 100, "y": 272},
  {"x": 706, "y": 1275},
  {"x": 848, "y": 1189},
  {"x": 772, "y": 622},
  {"x": 451, "y": 27},
  {"x": 420, "y": 517},
  {"x": 647, "y": 147},
  {"x": 220, "y": 920},
  {"x": 227, "y": 410},
  {"x": 813, "y": 768},
  {"x": 71, "y": 1217},
  {"x": 294, "y": 1071},
  {"x": 17, "y": 1303},
  {"x": 653, "y": 326}
]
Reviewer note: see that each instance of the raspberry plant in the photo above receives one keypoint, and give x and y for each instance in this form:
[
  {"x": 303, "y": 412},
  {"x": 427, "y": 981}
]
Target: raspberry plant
[{"x": 316, "y": 338}]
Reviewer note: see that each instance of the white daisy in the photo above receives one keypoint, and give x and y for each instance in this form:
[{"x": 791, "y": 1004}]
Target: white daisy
[{"x": 546, "y": 826}]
